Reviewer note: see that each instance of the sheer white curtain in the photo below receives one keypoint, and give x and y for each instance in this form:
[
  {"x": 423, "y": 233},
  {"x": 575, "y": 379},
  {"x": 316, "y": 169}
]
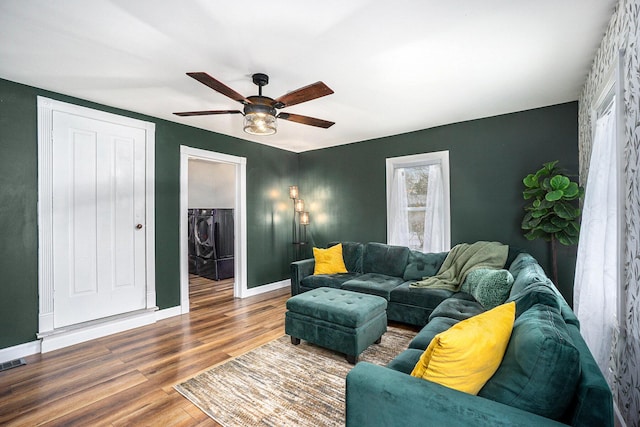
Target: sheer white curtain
[
  {"x": 398, "y": 210},
  {"x": 596, "y": 288},
  {"x": 434, "y": 224}
]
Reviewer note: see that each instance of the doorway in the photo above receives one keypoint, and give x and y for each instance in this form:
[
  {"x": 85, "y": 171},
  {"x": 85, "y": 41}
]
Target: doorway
[
  {"x": 190, "y": 160},
  {"x": 96, "y": 239}
]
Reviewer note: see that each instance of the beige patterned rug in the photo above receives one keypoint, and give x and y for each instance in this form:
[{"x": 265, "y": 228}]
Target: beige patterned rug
[{"x": 279, "y": 384}]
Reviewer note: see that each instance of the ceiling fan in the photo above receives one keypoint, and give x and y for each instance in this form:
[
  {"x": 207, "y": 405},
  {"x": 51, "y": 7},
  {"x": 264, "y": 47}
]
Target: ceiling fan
[{"x": 260, "y": 111}]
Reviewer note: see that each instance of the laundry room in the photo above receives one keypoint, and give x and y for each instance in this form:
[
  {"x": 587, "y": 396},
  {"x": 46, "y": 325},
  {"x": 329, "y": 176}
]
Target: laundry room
[{"x": 211, "y": 219}]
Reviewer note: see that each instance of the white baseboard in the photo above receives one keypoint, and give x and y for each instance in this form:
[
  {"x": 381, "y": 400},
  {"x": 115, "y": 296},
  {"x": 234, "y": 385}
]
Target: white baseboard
[
  {"x": 20, "y": 350},
  {"x": 266, "y": 288},
  {"x": 168, "y": 312},
  {"x": 93, "y": 330}
]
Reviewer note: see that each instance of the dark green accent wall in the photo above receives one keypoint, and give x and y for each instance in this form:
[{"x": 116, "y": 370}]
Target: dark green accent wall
[
  {"x": 269, "y": 173},
  {"x": 346, "y": 189}
]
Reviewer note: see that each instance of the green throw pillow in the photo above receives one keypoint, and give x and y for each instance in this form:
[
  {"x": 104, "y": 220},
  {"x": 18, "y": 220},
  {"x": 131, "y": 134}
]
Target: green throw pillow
[
  {"x": 488, "y": 286},
  {"x": 541, "y": 367}
]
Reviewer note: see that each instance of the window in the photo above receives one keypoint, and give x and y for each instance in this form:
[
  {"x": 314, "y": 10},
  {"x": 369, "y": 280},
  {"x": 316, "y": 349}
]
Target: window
[
  {"x": 418, "y": 201},
  {"x": 598, "y": 295}
]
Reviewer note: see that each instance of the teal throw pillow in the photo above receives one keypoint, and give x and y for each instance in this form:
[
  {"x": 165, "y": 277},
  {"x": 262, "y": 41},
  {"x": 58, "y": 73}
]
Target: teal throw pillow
[
  {"x": 541, "y": 367},
  {"x": 488, "y": 286}
]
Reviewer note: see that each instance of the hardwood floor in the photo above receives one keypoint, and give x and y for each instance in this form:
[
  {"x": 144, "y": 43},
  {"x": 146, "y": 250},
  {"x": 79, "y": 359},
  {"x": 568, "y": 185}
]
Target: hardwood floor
[{"x": 127, "y": 379}]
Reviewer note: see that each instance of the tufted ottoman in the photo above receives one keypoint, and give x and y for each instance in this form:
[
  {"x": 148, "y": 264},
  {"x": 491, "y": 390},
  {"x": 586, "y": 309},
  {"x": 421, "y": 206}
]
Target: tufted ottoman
[{"x": 336, "y": 319}]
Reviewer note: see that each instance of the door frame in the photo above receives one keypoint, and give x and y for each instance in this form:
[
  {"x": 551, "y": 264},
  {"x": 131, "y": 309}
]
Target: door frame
[
  {"x": 46, "y": 108},
  {"x": 240, "y": 220}
]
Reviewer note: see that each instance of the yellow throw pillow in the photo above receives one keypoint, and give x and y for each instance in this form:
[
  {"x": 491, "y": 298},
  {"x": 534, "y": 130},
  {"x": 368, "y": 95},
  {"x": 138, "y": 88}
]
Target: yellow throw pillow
[
  {"x": 329, "y": 261},
  {"x": 466, "y": 356}
]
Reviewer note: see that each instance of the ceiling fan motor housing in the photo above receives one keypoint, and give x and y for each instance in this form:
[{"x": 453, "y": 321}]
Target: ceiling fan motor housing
[{"x": 259, "y": 104}]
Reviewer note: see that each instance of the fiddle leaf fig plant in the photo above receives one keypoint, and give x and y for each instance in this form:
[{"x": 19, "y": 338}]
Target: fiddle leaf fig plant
[{"x": 552, "y": 215}]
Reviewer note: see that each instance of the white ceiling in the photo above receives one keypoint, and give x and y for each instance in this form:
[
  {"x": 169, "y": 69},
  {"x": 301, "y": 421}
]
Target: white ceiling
[{"x": 395, "y": 66}]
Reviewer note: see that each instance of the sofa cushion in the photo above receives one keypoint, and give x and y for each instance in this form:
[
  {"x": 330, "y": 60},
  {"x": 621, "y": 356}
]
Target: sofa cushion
[
  {"x": 385, "y": 259},
  {"x": 421, "y": 265},
  {"x": 489, "y": 287},
  {"x": 526, "y": 270},
  {"x": 466, "y": 355},
  {"x": 422, "y": 297},
  {"x": 457, "y": 308},
  {"x": 373, "y": 283},
  {"x": 534, "y": 293},
  {"x": 329, "y": 261},
  {"x": 352, "y": 255},
  {"x": 327, "y": 280},
  {"x": 541, "y": 366},
  {"x": 406, "y": 361},
  {"x": 440, "y": 324}
]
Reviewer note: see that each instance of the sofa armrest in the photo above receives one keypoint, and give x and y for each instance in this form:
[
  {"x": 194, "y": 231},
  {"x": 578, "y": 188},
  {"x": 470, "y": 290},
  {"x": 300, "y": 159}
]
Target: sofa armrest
[
  {"x": 379, "y": 396},
  {"x": 300, "y": 270}
]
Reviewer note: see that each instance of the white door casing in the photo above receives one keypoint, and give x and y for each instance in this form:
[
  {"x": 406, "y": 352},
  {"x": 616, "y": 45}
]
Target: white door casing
[
  {"x": 119, "y": 255},
  {"x": 240, "y": 223}
]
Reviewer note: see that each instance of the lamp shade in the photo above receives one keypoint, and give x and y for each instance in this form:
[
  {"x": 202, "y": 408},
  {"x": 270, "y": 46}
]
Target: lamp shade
[
  {"x": 293, "y": 192},
  {"x": 304, "y": 218},
  {"x": 259, "y": 123},
  {"x": 299, "y": 205}
]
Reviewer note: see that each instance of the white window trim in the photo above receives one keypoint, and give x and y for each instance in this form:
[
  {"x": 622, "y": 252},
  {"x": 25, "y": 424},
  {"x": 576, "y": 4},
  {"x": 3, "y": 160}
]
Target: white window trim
[{"x": 424, "y": 159}]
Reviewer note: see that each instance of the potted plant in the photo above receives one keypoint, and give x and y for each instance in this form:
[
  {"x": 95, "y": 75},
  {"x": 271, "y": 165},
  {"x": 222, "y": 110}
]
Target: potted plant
[{"x": 552, "y": 215}]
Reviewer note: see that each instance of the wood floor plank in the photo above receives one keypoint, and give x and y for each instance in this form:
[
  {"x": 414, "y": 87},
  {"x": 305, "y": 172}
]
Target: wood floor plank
[{"x": 127, "y": 378}]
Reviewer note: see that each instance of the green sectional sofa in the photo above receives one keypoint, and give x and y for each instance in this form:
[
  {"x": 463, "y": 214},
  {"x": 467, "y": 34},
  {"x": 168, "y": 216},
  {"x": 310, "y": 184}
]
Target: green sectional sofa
[{"x": 547, "y": 376}]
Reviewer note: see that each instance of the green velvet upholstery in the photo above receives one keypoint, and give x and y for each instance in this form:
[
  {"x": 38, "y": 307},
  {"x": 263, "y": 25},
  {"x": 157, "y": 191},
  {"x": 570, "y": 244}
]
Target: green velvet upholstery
[
  {"x": 535, "y": 293},
  {"x": 344, "y": 321},
  {"x": 421, "y": 265},
  {"x": 300, "y": 270},
  {"x": 351, "y": 254},
  {"x": 541, "y": 367},
  {"x": 435, "y": 326},
  {"x": 385, "y": 259},
  {"x": 592, "y": 404},
  {"x": 346, "y": 340},
  {"x": 424, "y": 297},
  {"x": 406, "y": 361},
  {"x": 457, "y": 308},
  {"x": 341, "y": 307},
  {"x": 525, "y": 271},
  {"x": 409, "y": 314},
  {"x": 547, "y": 368},
  {"x": 377, "y": 396},
  {"x": 374, "y": 284},
  {"x": 326, "y": 280}
]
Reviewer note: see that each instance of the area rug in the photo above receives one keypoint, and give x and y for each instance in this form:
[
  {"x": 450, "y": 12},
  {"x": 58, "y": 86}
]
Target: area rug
[{"x": 280, "y": 384}]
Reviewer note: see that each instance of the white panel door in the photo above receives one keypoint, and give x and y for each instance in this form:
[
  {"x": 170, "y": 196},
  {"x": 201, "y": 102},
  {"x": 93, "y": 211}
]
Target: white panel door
[{"x": 98, "y": 219}]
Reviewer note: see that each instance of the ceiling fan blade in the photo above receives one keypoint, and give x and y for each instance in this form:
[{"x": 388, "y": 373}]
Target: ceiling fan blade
[
  {"x": 207, "y": 113},
  {"x": 304, "y": 94},
  {"x": 311, "y": 121},
  {"x": 218, "y": 86}
]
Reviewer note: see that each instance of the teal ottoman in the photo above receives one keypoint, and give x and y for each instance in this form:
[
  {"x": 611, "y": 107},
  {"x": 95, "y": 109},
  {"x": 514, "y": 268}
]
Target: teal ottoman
[{"x": 344, "y": 321}]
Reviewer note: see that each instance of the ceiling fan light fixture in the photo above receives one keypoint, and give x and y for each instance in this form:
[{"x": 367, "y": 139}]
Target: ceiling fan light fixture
[
  {"x": 260, "y": 124},
  {"x": 260, "y": 120}
]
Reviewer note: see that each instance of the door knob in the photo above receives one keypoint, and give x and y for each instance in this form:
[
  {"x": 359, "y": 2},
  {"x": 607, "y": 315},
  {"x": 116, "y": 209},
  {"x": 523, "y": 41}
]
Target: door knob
[{"x": 139, "y": 226}]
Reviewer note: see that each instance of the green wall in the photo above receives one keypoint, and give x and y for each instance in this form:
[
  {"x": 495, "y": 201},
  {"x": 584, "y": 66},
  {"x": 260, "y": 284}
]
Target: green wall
[
  {"x": 344, "y": 188},
  {"x": 345, "y": 185},
  {"x": 269, "y": 173}
]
